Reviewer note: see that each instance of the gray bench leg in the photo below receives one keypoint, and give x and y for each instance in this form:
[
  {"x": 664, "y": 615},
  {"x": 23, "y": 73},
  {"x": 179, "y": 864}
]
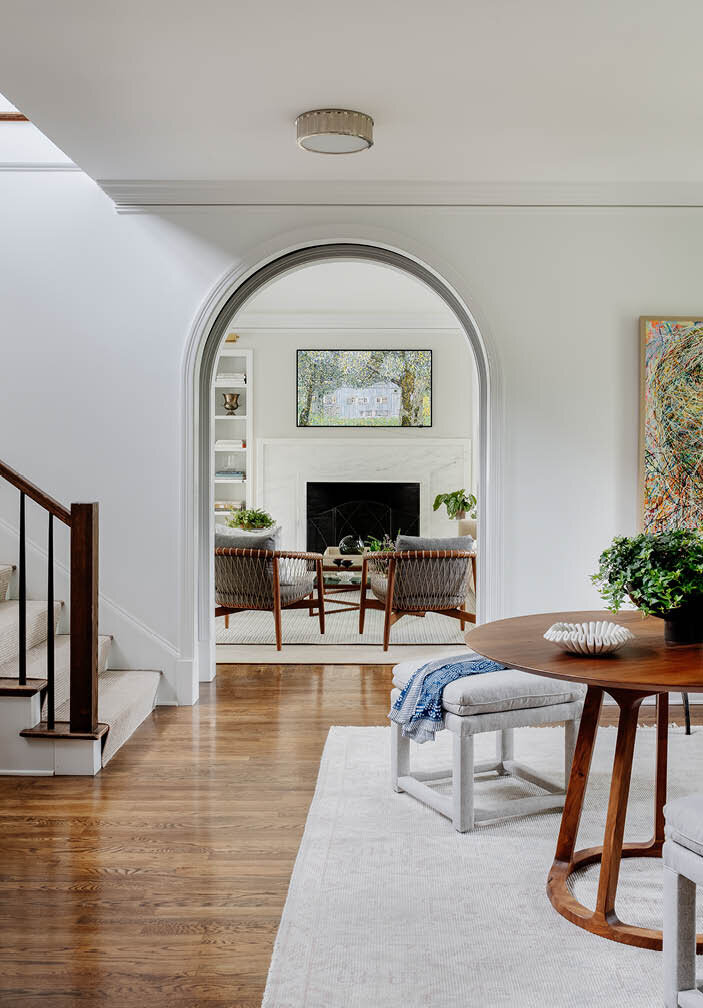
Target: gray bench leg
[
  {"x": 505, "y": 749},
  {"x": 400, "y": 755},
  {"x": 462, "y": 782},
  {"x": 679, "y": 936}
]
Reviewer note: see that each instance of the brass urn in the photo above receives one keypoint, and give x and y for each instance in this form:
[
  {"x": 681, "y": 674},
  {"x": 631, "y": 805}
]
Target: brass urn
[{"x": 231, "y": 402}]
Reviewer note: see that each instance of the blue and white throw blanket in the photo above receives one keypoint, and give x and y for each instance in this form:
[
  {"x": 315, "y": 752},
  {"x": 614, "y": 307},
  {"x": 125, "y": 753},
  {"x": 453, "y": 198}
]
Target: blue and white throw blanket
[{"x": 419, "y": 707}]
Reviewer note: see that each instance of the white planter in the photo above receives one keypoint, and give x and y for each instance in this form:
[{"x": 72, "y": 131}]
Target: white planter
[{"x": 467, "y": 527}]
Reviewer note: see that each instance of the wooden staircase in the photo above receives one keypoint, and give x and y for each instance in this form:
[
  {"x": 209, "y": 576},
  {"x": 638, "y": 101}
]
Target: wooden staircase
[{"x": 62, "y": 709}]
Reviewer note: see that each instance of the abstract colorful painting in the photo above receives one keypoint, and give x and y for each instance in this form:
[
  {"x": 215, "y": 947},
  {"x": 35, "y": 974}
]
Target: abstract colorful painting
[
  {"x": 671, "y": 438},
  {"x": 364, "y": 388}
]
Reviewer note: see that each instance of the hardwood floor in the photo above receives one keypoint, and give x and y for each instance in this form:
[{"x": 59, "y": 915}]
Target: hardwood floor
[{"x": 161, "y": 882}]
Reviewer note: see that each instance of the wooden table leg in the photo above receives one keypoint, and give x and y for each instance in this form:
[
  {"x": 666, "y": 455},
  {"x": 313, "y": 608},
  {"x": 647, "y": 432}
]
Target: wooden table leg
[
  {"x": 617, "y": 808},
  {"x": 603, "y": 920}
]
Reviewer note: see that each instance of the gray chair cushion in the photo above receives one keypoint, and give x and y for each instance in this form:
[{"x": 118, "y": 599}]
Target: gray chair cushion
[
  {"x": 464, "y": 544},
  {"x": 232, "y": 538},
  {"x": 297, "y": 588},
  {"x": 684, "y": 822},
  {"x": 492, "y": 692}
]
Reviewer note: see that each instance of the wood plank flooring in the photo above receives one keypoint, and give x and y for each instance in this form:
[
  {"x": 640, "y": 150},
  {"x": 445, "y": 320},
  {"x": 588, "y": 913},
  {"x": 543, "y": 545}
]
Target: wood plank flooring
[{"x": 161, "y": 882}]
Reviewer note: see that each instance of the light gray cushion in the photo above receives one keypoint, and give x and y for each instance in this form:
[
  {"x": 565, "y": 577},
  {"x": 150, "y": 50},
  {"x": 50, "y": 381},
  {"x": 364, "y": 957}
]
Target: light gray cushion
[
  {"x": 464, "y": 544},
  {"x": 491, "y": 692},
  {"x": 684, "y": 822},
  {"x": 232, "y": 538}
]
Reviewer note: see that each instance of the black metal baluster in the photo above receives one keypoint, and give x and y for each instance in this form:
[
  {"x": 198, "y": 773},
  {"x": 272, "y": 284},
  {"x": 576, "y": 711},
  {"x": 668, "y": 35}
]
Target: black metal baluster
[
  {"x": 50, "y": 630},
  {"x": 23, "y": 601}
]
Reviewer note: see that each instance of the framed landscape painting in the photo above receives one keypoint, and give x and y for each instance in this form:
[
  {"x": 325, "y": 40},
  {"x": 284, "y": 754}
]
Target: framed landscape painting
[
  {"x": 364, "y": 388},
  {"x": 671, "y": 423}
]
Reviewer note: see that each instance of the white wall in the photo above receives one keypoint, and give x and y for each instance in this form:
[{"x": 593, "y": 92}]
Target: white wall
[{"x": 96, "y": 309}]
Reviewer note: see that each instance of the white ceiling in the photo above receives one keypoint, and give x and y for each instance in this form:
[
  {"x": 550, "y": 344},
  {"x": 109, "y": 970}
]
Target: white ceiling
[
  {"x": 461, "y": 90},
  {"x": 346, "y": 294}
]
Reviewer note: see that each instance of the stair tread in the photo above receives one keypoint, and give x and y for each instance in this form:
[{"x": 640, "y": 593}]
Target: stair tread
[
  {"x": 125, "y": 698},
  {"x": 36, "y": 656}
]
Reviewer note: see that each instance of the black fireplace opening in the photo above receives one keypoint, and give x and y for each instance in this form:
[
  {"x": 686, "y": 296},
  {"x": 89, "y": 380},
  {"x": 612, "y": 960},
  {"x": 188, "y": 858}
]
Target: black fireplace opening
[{"x": 335, "y": 510}]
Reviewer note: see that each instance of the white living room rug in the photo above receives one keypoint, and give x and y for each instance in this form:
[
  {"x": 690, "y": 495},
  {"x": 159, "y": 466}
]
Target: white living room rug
[
  {"x": 299, "y": 627},
  {"x": 388, "y": 906}
]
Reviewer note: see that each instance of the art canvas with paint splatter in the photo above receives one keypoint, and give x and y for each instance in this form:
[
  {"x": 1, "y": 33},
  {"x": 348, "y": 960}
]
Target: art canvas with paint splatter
[{"x": 671, "y": 441}]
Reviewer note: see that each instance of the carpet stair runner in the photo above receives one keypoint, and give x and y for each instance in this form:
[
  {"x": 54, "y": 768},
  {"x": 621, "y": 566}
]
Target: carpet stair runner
[{"x": 125, "y": 696}]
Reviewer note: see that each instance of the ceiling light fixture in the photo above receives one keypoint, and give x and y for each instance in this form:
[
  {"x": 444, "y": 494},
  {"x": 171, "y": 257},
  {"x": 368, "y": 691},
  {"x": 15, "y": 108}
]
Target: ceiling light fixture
[{"x": 334, "y": 131}]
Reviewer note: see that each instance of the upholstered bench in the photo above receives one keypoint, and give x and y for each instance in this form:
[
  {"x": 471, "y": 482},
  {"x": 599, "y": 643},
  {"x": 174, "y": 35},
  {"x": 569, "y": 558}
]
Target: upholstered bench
[
  {"x": 490, "y": 702},
  {"x": 683, "y": 870}
]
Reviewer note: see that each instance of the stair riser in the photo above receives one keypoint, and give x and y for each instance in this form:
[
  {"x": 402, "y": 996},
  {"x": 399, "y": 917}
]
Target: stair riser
[{"x": 36, "y": 627}]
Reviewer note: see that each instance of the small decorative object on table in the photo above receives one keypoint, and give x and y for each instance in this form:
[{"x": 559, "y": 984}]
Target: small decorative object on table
[
  {"x": 385, "y": 545},
  {"x": 457, "y": 503},
  {"x": 351, "y": 545},
  {"x": 249, "y": 519},
  {"x": 589, "y": 638},
  {"x": 231, "y": 402},
  {"x": 662, "y": 575}
]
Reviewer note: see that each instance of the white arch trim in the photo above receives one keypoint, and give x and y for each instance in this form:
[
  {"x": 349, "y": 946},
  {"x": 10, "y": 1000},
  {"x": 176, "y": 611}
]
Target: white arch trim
[{"x": 196, "y": 633}]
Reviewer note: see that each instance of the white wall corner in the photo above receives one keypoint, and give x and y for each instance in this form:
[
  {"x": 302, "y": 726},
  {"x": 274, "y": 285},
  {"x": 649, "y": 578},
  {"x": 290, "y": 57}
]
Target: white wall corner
[
  {"x": 207, "y": 660},
  {"x": 186, "y": 679}
]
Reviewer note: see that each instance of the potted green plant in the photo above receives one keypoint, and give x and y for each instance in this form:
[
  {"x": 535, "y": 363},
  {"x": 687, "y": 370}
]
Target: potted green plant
[
  {"x": 662, "y": 575},
  {"x": 250, "y": 519},
  {"x": 457, "y": 503},
  {"x": 384, "y": 545}
]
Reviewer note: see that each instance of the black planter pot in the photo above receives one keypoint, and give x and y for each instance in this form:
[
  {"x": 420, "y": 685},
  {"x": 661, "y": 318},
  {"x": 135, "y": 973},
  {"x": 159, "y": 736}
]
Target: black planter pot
[{"x": 685, "y": 625}]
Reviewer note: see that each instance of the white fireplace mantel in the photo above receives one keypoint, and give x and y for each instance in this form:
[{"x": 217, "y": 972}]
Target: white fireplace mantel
[{"x": 285, "y": 465}]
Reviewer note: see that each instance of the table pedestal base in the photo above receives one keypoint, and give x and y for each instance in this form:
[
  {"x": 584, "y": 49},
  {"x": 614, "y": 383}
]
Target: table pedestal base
[{"x": 603, "y": 920}]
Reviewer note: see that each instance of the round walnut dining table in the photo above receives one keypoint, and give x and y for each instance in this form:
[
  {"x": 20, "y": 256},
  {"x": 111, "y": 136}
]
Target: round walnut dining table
[{"x": 644, "y": 667}]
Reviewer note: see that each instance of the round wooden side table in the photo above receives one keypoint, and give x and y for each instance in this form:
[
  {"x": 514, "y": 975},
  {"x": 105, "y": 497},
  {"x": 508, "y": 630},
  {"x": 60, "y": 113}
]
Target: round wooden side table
[{"x": 644, "y": 667}]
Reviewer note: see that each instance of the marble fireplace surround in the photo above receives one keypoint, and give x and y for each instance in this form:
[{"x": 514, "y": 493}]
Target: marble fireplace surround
[{"x": 285, "y": 465}]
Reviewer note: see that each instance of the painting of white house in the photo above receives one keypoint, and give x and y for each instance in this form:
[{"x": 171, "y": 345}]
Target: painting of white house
[{"x": 364, "y": 388}]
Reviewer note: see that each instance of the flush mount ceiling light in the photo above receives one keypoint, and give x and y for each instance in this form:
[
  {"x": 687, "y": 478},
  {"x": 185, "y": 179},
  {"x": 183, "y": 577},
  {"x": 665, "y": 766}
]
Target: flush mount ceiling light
[{"x": 334, "y": 131}]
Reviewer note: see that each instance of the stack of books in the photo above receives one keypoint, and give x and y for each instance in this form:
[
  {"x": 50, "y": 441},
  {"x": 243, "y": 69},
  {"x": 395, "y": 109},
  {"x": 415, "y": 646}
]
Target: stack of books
[
  {"x": 231, "y": 378},
  {"x": 235, "y": 475},
  {"x": 227, "y": 506},
  {"x": 223, "y": 444}
]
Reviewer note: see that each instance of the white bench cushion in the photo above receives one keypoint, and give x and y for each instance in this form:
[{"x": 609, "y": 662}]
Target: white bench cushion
[
  {"x": 684, "y": 822},
  {"x": 491, "y": 692}
]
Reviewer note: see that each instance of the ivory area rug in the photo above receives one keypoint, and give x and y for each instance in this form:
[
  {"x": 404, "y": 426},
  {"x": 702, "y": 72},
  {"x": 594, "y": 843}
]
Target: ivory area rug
[
  {"x": 388, "y": 906},
  {"x": 340, "y": 627}
]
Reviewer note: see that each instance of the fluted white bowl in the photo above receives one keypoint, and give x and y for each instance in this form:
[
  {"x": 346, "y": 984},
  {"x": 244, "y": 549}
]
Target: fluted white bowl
[{"x": 594, "y": 638}]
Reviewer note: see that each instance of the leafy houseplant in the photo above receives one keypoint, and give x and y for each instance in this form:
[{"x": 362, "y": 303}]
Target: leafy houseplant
[
  {"x": 249, "y": 519},
  {"x": 662, "y": 575},
  {"x": 457, "y": 503},
  {"x": 385, "y": 545}
]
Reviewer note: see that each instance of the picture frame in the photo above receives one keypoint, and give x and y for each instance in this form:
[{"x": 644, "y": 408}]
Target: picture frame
[
  {"x": 379, "y": 388},
  {"x": 670, "y": 427}
]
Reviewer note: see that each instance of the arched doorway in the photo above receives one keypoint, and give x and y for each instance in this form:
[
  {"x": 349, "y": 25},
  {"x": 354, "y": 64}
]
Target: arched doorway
[{"x": 198, "y": 471}]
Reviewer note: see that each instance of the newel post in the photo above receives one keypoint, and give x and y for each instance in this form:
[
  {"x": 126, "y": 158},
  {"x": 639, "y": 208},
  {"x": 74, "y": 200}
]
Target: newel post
[{"x": 84, "y": 618}]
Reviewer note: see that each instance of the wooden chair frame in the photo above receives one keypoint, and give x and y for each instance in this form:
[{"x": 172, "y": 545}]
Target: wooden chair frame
[
  {"x": 277, "y": 607},
  {"x": 393, "y": 613}
]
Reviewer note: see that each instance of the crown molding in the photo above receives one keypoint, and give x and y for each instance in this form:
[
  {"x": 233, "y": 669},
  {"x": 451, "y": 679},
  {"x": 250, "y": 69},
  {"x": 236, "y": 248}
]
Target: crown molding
[
  {"x": 150, "y": 195},
  {"x": 38, "y": 166}
]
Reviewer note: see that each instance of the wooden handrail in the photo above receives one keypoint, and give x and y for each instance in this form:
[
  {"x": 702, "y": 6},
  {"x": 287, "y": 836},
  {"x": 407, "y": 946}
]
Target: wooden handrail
[
  {"x": 37, "y": 495},
  {"x": 82, "y": 520}
]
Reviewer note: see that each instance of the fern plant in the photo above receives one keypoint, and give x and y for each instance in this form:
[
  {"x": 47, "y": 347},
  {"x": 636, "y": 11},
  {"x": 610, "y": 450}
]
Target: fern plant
[{"x": 249, "y": 519}]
